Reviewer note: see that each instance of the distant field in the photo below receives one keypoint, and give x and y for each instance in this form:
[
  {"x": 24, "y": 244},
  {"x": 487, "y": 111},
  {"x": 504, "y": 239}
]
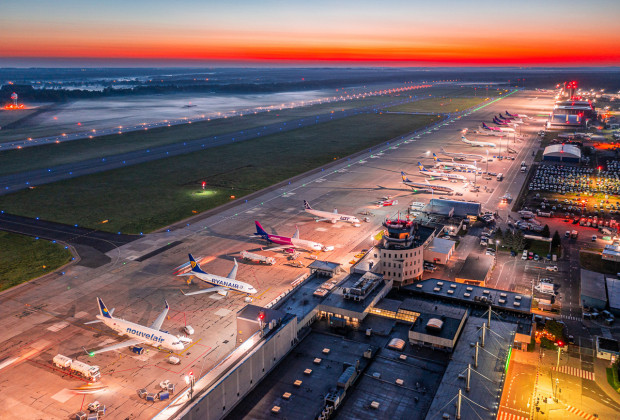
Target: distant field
[
  {"x": 23, "y": 258},
  {"x": 443, "y": 105},
  {"x": 8, "y": 117},
  {"x": 74, "y": 151},
  {"x": 145, "y": 197}
]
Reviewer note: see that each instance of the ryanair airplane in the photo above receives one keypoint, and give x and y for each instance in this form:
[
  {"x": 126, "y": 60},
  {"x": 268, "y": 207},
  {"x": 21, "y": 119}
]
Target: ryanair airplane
[{"x": 221, "y": 285}]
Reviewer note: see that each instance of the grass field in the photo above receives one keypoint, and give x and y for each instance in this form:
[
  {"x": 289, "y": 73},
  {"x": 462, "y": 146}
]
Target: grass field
[
  {"x": 74, "y": 151},
  {"x": 444, "y": 105},
  {"x": 8, "y": 117},
  {"x": 145, "y": 197},
  {"x": 23, "y": 258}
]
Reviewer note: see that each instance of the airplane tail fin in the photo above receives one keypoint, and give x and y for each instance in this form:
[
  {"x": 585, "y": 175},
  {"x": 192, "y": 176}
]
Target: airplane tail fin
[
  {"x": 296, "y": 234},
  {"x": 233, "y": 273},
  {"x": 405, "y": 179},
  {"x": 195, "y": 266},
  {"x": 103, "y": 310},
  {"x": 421, "y": 166},
  {"x": 307, "y": 205},
  {"x": 435, "y": 158},
  {"x": 260, "y": 231}
]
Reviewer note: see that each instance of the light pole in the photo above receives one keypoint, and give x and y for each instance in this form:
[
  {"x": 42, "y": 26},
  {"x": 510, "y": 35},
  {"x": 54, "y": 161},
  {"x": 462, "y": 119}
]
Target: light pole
[
  {"x": 496, "y": 245},
  {"x": 559, "y": 351},
  {"x": 487, "y": 161},
  {"x": 190, "y": 380}
]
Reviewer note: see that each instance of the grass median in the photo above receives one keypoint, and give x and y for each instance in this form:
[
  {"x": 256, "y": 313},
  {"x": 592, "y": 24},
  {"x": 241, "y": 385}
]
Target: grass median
[
  {"x": 23, "y": 258},
  {"x": 145, "y": 197}
]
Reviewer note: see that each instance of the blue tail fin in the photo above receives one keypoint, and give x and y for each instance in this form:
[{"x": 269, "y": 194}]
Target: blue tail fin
[
  {"x": 260, "y": 231},
  {"x": 103, "y": 310},
  {"x": 404, "y": 176},
  {"x": 195, "y": 266}
]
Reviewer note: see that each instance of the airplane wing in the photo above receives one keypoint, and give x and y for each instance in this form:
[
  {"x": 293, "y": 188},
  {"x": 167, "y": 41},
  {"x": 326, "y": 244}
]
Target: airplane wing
[
  {"x": 118, "y": 346},
  {"x": 233, "y": 273},
  {"x": 160, "y": 319},
  {"x": 209, "y": 290},
  {"x": 322, "y": 220}
]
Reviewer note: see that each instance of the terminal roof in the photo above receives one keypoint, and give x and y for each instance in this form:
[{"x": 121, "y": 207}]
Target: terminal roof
[
  {"x": 593, "y": 285},
  {"x": 468, "y": 294},
  {"x": 476, "y": 267},
  {"x": 613, "y": 293}
]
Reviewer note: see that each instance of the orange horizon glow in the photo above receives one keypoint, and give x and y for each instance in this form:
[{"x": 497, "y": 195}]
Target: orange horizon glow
[{"x": 394, "y": 33}]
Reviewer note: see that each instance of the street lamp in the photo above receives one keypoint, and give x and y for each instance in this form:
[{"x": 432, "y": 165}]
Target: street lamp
[
  {"x": 190, "y": 380},
  {"x": 496, "y": 245}
]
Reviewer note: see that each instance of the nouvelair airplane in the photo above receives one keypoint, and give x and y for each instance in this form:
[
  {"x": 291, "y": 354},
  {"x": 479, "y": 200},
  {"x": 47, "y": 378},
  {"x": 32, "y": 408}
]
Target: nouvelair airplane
[
  {"x": 221, "y": 285},
  {"x": 288, "y": 242},
  {"x": 424, "y": 187},
  {"x": 462, "y": 156},
  {"x": 436, "y": 174},
  {"x": 138, "y": 334},
  {"x": 333, "y": 217},
  {"x": 477, "y": 143},
  {"x": 454, "y": 164}
]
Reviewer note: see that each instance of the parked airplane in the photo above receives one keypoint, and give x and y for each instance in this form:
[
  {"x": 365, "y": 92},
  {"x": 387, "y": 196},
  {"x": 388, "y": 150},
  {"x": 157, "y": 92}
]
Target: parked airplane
[
  {"x": 221, "y": 285},
  {"x": 454, "y": 164},
  {"x": 289, "y": 242},
  {"x": 516, "y": 115},
  {"x": 420, "y": 186},
  {"x": 502, "y": 129},
  {"x": 332, "y": 217},
  {"x": 499, "y": 122},
  {"x": 436, "y": 174},
  {"x": 489, "y": 132},
  {"x": 510, "y": 120},
  {"x": 477, "y": 143},
  {"x": 462, "y": 156},
  {"x": 139, "y": 334}
]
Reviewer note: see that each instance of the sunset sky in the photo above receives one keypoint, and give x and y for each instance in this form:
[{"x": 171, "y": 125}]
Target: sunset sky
[{"x": 317, "y": 32}]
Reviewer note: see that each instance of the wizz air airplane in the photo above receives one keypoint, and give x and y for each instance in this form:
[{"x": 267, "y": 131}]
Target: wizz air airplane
[
  {"x": 454, "y": 164},
  {"x": 489, "y": 132},
  {"x": 436, "y": 174},
  {"x": 502, "y": 129},
  {"x": 477, "y": 143},
  {"x": 462, "y": 156},
  {"x": 516, "y": 115},
  {"x": 138, "y": 334},
  {"x": 510, "y": 120},
  {"x": 415, "y": 186},
  {"x": 288, "y": 242},
  {"x": 499, "y": 122},
  {"x": 221, "y": 285},
  {"x": 333, "y": 217}
]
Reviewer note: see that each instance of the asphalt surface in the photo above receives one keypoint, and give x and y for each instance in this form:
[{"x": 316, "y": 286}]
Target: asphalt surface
[
  {"x": 92, "y": 245},
  {"x": 47, "y": 317},
  {"x": 19, "y": 181}
]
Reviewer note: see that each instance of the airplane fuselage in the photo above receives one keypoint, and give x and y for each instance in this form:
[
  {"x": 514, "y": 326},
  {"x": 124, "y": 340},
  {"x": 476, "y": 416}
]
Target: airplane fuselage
[
  {"x": 295, "y": 242},
  {"x": 150, "y": 336},
  {"x": 236, "y": 285},
  {"x": 333, "y": 217},
  {"x": 477, "y": 143}
]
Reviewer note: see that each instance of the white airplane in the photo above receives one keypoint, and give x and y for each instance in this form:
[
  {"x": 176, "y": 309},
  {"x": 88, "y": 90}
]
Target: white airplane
[
  {"x": 462, "y": 156},
  {"x": 441, "y": 163},
  {"x": 139, "y": 334},
  {"x": 474, "y": 143},
  {"x": 420, "y": 186},
  {"x": 332, "y": 217},
  {"x": 516, "y": 115},
  {"x": 221, "y": 285},
  {"x": 436, "y": 174},
  {"x": 289, "y": 242}
]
